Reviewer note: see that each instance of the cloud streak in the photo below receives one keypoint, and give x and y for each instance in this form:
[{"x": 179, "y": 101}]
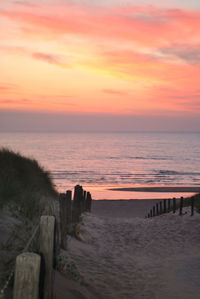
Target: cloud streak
[
  {"x": 47, "y": 57},
  {"x": 130, "y": 23}
]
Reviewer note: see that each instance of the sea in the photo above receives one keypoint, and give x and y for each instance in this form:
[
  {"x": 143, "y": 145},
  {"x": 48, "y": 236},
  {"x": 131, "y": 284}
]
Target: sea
[{"x": 105, "y": 160}]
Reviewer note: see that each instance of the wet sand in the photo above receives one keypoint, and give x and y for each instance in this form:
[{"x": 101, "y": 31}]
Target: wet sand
[{"x": 177, "y": 189}]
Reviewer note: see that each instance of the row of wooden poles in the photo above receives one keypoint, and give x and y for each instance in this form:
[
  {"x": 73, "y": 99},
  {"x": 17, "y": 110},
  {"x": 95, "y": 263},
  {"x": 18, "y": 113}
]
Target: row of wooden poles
[
  {"x": 71, "y": 211},
  {"x": 170, "y": 205},
  {"x": 34, "y": 271}
]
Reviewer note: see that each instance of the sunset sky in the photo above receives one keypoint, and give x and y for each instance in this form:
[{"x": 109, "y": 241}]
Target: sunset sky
[{"x": 120, "y": 64}]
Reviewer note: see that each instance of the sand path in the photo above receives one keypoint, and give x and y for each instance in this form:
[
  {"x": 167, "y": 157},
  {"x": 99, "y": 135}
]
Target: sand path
[{"x": 139, "y": 258}]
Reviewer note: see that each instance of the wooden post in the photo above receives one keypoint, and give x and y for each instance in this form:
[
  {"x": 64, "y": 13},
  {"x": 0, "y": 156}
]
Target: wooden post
[
  {"x": 169, "y": 205},
  {"x": 157, "y": 209},
  {"x": 192, "y": 205},
  {"x": 165, "y": 206},
  {"x": 151, "y": 213},
  {"x": 148, "y": 216},
  {"x": 174, "y": 205},
  {"x": 88, "y": 202},
  {"x": 181, "y": 206},
  {"x": 154, "y": 211},
  {"x": 76, "y": 210},
  {"x": 47, "y": 229},
  {"x": 160, "y": 208},
  {"x": 27, "y": 274},
  {"x": 84, "y": 200},
  {"x": 69, "y": 208},
  {"x": 63, "y": 220}
]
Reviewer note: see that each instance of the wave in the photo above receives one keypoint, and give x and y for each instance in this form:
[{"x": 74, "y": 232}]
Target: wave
[
  {"x": 172, "y": 172},
  {"x": 156, "y": 177},
  {"x": 138, "y": 158}
]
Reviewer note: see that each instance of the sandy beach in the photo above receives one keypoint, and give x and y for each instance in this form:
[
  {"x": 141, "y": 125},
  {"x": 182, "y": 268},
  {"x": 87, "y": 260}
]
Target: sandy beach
[{"x": 122, "y": 255}]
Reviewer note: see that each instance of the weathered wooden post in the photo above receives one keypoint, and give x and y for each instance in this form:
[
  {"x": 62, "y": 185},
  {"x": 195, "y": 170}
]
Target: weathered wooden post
[
  {"x": 169, "y": 205},
  {"x": 88, "y": 202},
  {"x": 69, "y": 208},
  {"x": 47, "y": 229},
  {"x": 84, "y": 200},
  {"x": 174, "y": 205},
  {"x": 165, "y": 206},
  {"x": 148, "y": 216},
  {"x": 157, "y": 209},
  {"x": 192, "y": 205},
  {"x": 27, "y": 274},
  {"x": 76, "y": 209},
  {"x": 63, "y": 220},
  {"x": 151, "y": 213},
  {"x": 181, "y": 206},
  {"x": 154, "y": 211},
  {"x": 160, "y": 208}
]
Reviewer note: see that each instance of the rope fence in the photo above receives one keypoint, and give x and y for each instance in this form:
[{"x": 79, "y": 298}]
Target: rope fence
[{"x": 6, "y": 284}]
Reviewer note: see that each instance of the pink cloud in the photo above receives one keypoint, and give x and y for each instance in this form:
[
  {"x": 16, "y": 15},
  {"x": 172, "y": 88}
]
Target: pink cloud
[
  {"x": 15, "y": 102},
  {"x": 114, "y": 92},
  {"x": 47, "y": 57},
  {"x": 25, "y": 4},
  {"x": 8, "y": 88},
  {"x": 4, "y": 88},
  {"x": 150, "y": 26}
]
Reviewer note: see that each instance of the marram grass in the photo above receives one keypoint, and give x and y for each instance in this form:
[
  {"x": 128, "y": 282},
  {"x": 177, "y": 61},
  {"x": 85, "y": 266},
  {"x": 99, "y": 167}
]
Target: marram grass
[{"x": 24, "y": 184}]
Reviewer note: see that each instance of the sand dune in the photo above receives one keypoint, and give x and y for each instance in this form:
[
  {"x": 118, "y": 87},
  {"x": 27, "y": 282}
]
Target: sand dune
[{"x": 119, "y": 257}]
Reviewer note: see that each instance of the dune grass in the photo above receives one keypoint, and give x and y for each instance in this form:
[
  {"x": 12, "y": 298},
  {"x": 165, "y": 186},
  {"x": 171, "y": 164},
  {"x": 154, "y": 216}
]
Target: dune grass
[{"x": 23, "y": 183}]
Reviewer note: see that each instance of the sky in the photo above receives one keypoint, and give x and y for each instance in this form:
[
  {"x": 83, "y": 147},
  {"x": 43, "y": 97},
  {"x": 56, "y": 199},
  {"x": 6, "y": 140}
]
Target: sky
[{"x": 99, "y": 65}]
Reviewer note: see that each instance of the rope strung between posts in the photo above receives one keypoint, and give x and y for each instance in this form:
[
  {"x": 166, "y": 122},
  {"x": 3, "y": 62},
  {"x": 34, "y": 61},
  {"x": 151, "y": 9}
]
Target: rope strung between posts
[
  {"x": 2, "y": 291},
  {"x": 31, "y": 238}
]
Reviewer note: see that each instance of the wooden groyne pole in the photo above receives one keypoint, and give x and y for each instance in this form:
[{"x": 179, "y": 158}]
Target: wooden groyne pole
[
  {"x": 47, "y": 232},
  {"x": 27, "y": 275}
]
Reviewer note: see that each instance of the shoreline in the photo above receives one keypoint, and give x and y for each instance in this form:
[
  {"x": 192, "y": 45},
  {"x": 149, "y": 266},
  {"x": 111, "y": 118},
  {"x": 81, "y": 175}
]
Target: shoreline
[{"x": 175, "y": 189}]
